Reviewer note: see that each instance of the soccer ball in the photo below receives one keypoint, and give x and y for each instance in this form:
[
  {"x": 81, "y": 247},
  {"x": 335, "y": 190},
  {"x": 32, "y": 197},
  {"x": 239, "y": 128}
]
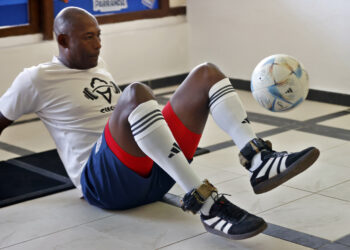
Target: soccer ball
[{"x": 279, "y": 83}]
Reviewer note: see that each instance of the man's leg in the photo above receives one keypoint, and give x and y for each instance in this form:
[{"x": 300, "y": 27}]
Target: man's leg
[
  {"x": 206, "y": 89},
  {"x": 138, "y": 126},
  {"x": 209, "y": 89}
]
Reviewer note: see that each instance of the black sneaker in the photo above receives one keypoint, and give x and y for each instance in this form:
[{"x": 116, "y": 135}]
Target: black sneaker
[
  {"x": 230, "y": 221},
  {"x": 276, "y": 168}
]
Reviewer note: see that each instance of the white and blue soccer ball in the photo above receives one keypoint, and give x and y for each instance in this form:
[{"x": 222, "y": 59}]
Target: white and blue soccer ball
[{"x": 279, "y": 83}]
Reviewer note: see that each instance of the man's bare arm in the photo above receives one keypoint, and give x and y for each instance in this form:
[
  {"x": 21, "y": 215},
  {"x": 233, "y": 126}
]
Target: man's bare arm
[{"x": 4, "y": 122}]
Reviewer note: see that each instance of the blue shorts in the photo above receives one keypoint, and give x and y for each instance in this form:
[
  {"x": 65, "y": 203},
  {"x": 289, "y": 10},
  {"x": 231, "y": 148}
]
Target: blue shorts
[
  {"x": 107, "y": 183},
  {"x": 113, "y": 179}
]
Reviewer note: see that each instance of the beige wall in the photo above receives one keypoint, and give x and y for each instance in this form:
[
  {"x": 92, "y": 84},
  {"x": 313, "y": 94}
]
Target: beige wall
[
  {"x": 237, "y": 34},
  {"x": 134, "y": 51}
]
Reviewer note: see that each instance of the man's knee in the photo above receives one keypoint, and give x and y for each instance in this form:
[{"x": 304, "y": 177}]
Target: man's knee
[
  {"x": 137, "y": 93},
  {"x": 133, "y": 95},
  {"x": 209, "y": 71}
]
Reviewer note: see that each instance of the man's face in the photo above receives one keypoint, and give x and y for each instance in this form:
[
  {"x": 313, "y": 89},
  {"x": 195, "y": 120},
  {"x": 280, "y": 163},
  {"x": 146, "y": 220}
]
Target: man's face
[{"x": 84, "y": 43}]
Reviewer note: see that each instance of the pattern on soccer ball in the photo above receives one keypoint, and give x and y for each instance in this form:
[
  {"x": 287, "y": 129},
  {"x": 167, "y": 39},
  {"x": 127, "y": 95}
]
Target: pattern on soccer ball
[{"x": 279, "y": 83}]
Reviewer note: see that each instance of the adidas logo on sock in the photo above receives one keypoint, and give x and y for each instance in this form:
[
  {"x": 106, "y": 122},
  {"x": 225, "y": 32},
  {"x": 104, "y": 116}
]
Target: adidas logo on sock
[
  {"x": 174, "y": 150},
  {"x": 246, "y": 120}
]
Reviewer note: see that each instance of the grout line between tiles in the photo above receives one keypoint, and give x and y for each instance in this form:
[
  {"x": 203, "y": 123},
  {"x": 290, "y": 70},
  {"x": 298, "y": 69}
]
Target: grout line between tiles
[
  {"x": 173, "y": 243},
  {"x": 319, "y": 192},
  {"x": 59, "y": 231},
  {"x": 333, "y": 186},
  {"x": 339, "y": 199},
  {"x": 281, "y": 205}
]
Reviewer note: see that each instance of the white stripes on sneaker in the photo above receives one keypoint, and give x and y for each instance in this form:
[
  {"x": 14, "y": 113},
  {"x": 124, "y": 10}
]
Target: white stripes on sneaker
[
  {"x": 274, "y": 166},
  {"x": 220, "y": 224}
]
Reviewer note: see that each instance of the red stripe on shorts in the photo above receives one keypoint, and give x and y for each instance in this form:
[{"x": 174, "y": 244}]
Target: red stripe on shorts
[{"x": 140, "y": 165}]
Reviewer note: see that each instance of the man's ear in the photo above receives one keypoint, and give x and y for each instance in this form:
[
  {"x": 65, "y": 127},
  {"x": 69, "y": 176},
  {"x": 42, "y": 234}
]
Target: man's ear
[{"x": 63, "y": 40}]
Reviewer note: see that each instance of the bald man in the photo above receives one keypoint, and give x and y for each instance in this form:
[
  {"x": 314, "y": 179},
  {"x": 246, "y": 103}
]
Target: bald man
[{"x": 121, "y": 150}]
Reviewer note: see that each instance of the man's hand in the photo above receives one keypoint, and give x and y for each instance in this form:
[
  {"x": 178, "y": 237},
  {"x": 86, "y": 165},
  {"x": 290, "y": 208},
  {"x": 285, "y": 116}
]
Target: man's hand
[{"x": 4, "y": 122}]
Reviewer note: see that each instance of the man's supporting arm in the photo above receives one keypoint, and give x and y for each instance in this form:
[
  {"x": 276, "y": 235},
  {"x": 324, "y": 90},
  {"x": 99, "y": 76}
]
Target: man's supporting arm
[{"x": 4, "y": 122}]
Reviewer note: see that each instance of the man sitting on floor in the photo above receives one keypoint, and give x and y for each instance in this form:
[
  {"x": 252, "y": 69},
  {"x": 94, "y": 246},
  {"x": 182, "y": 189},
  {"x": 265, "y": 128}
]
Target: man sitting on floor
[{"x": 122, "y": 151}]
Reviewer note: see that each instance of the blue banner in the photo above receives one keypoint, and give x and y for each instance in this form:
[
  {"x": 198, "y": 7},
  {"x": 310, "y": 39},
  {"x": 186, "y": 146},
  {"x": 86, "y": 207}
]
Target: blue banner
[
  {"x": 103, "y": 7},
  {"x": 13, "y": 12}
]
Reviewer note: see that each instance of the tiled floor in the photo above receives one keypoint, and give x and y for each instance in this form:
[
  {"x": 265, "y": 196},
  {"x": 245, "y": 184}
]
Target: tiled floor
[{"x": 309, "y": 211}]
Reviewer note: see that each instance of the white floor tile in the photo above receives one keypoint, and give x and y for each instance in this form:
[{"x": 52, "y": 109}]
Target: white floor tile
[
  {"x": 63, "y": 221},
  {"x": 75, "y": 238},
  {"x": 47, "y": 215},
  {"x": 27, "y": 117},
  {"x": 32, "y": 136},
  {"x": 207, "y": 170},
  {"x": 147, "y": 227},
  {"x": 212, "y": 134},
  {"x": 340, "y": 191},
  {"x": 338, "y": 155},
  {"x": 342, "y": 122},
  {"x": 294, "y": 141},
  {"x": 154, "y": 225},
  {"x": 177, "y": 190},
  {"x": 319, "y": 176},
  {"x": 5, "y": 155},
  {"x": 222, "y": 160},
  {"x": 242, "y": 194},
  {"x": 317, "y": 215},
  {"x": 206, "y": 166},
  {"x": 164, "y": 90}
]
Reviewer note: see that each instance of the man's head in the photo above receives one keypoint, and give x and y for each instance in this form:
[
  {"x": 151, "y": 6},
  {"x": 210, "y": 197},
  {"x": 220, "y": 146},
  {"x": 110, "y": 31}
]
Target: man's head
[{"x": 78, "y": 36}]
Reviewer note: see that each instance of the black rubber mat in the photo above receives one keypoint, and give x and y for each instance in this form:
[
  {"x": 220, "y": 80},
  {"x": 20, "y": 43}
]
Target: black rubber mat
[
  {"x": 48, "y": 160},
  {"x": 16, "y": 181},
  {"x": 32, "y": 176},
  {"x": 36, "y": 175}
]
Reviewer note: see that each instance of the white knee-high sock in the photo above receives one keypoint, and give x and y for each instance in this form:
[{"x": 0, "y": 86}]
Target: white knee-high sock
[
  {"x": 155, "y": 139},
  {"x": 228, "y": 112}
]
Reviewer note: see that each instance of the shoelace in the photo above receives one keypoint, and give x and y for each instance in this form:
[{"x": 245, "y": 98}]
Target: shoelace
[
  {"x": 227, "y": 209},
  {"x": 273, "y": 153}
]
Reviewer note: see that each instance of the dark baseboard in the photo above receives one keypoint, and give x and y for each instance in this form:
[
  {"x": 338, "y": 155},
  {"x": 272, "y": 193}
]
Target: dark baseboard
[
  {"x": 328, "y": 97},
  {"x": 162, "y": 82},
  {"x": 314, "y": 95},
  {"x": 240, "y": 84}
]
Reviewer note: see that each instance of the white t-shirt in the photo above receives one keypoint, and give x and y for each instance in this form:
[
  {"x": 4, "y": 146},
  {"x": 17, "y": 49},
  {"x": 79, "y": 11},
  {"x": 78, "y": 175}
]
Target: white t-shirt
[{"x": 73, "y": 104}]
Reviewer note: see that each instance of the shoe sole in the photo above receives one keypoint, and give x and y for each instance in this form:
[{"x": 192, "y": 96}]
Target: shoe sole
[
  {"x": 299, "y": 166},
  {"x": 236, "y": 236}
]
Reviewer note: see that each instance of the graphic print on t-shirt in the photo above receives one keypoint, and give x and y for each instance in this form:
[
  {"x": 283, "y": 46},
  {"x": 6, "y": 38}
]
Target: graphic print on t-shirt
[{"x": 102, "y": 88}]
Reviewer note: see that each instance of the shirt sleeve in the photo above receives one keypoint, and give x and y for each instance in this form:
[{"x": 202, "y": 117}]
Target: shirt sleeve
[{"x": 20, "y": 98}]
